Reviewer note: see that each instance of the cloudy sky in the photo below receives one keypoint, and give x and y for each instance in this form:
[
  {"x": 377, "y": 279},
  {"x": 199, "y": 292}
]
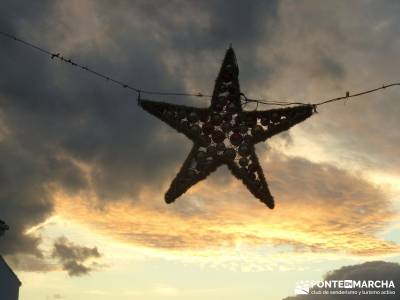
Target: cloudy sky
[{"x": 83, "y": 169}]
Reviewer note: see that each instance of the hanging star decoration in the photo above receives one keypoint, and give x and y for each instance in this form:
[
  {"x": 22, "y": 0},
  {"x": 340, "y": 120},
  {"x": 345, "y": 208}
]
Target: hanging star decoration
[
  {"x": 222, "y": 133},
  {"x": 225, "y": 134}
]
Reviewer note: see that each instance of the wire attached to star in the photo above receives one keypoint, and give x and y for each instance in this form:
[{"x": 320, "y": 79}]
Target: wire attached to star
[
  {"x": 245, "y": 100},
  {"x": 223, "y": 133}
]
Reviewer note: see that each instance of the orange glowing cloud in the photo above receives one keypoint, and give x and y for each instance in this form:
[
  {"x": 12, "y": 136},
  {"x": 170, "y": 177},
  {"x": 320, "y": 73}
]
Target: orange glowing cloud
[{"x": 321, "y": 209}]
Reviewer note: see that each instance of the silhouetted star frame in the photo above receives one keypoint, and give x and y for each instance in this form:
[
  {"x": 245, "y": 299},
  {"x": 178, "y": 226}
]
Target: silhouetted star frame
[{"x": 225, "y": 134}]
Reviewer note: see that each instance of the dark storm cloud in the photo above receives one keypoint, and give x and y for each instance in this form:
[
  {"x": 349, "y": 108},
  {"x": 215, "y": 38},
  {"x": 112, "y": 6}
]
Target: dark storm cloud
[
  {"x": 194, "y": 32},
  {"x": 327, "y": 67},
  {"x": 327, "y": 50},
  {"x": 53, "y": 117},
  {"x": 374, "y": 270},
  {"x": 74, "y": 257}
]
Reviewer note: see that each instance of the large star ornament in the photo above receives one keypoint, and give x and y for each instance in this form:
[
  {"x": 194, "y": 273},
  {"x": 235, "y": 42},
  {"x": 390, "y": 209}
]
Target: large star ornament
[{"x": 225, "y": 134}]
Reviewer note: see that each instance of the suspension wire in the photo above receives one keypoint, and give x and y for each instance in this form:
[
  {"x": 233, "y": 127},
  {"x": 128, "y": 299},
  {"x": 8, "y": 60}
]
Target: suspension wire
[
  {"x": 347, "y": 96},
  {"x": 341, "y": 98},
  {"x": 54, "y": 55},
  {"x": 139, "y": 91},
  {"x": 270, "y": 102}
]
